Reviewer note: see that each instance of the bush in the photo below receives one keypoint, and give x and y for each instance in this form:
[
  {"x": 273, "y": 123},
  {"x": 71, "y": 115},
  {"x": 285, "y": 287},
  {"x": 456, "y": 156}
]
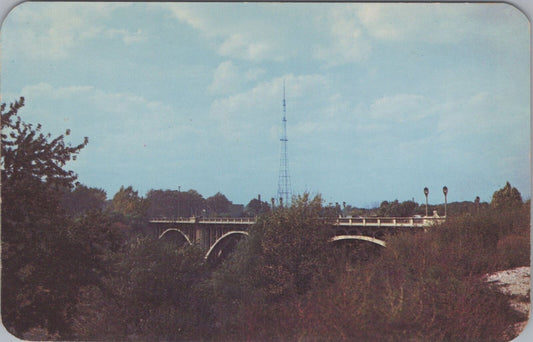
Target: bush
[
  {"x": 513, "y": 251},
  {"x": 394, "y": 306},
  {"x": 155, "y": 292},
  {"x": 420, "y": 289}
]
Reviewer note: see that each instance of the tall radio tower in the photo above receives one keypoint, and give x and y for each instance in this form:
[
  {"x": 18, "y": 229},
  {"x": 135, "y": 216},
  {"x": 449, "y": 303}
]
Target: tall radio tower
[{"x": 284, "y": 180}]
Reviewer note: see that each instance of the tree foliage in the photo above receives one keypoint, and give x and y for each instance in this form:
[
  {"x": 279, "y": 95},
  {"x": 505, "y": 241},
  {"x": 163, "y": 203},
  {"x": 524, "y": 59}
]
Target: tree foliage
[
  {"x": 397, "y": 209},
  {"x": 285, "y": 255},
  {"x": 128, "y": 203},
  {"x": 331, "y": 211},
  {"x": 171, "y": 203},
  {"x": 83, "y": 199},
  {"x": 38, "y": 278},
  {"x": 156, "y": 292},
  {"x": 218, "y": 205},
  {"x": 256, "y": 207},
  {"x": 28, "y": 154},
  {"x": 506, "y": 198}
]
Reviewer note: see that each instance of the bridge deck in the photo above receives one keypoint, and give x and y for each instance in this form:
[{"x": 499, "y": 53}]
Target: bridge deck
[
  {"x": 207, "y": 220},
  {"x": 343, "y": 221}
]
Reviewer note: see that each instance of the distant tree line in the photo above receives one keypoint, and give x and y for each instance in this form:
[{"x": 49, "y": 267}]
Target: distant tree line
[
  {"x": 172, "y": 203},
  {"x": 157, "y": 203},
  {"x": 407, "y": 209}
]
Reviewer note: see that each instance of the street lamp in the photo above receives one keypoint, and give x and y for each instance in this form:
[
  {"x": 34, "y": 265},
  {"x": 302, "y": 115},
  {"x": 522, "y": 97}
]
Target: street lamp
[
  {"x": 179, "y": 204},
  {"x": 426, "y": 192},
  {"x": 445, "y": 191}
]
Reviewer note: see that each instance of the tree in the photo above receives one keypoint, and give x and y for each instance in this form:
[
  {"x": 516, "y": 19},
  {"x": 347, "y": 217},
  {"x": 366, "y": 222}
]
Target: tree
[
  {"x": 154, "y": 293},
  {"x": 286, "y": 254},
  {"x": 218, "y": 204},
  {"x": 82, "y": 200},
  {"x": 506, "y": 198},
  {"x": 172, "y": 203},
  {"x": 193, "y": 203},
  {"x": 34, "y": 235},
  {"x": 256, "y": 207},
  {"x": 331, "y": 211},
  {"x": 32, "y": 166},
  {"x": 128, "y": 203},
  {"x": 397, "y": 209}
]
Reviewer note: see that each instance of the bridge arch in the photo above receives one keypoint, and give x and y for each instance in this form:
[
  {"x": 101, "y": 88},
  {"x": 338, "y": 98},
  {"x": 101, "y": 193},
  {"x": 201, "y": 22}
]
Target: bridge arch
[
  {"x": 358, "y": 237},
  {"x": 221, "y": 245},
  {"x": 175, "y": 234}
]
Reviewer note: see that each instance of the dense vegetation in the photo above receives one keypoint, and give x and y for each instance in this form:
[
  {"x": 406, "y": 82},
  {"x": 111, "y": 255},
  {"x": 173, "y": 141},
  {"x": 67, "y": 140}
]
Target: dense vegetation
[{"x": 77, "y": 266}]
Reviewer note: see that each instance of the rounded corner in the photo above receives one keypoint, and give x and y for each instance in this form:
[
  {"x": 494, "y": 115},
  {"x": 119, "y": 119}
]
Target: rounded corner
[
  {"x": 6, "y": 334},
  {"x": 518, "y": 6},
  {"x": 7, "y": 7}
]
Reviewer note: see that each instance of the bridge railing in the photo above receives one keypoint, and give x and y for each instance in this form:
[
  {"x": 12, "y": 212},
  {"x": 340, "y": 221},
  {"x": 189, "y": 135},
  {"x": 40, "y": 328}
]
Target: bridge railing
[
  {"x": 389, "y": 221},
  {"x": 228, "y": 220},
  {"x": 342, "y": 221},
  {"x": 173, "y": 220},
  {"x": 207, "y": 220}
]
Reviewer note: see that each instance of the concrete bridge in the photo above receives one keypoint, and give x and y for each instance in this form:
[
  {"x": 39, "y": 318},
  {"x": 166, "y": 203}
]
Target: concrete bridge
[{"x": 219, "y": 235}]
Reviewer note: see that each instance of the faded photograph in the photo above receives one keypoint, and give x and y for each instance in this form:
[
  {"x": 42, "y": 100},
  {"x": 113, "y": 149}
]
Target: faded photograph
[{"x": 265, "y": 171}]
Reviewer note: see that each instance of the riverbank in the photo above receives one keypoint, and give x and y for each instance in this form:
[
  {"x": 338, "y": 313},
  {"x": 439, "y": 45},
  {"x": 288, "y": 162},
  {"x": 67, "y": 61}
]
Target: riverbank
[{"x": 516, "y": 283}]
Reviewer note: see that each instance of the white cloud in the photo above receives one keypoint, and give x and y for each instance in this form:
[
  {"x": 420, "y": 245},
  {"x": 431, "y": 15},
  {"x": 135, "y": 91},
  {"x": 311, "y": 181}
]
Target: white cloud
[
  {"x": 132, "y": 139},
  {"x": 53, "y": 30},
  {"x": 226, "y": 78},
  {"x": 47, "y": 90},
  {"x": 190, "y": 15},
  {"x": 355, "y": 29},
  {"x": 373, "y": 17},
  {"x": 244, "y": 46},
  {"x": 261, "y": 105},
  {"x": 347, "y": 43},
  {"x": 240, "y": 33},
  {"x": 437, "y": 22},
  {"x": 400, "y": 108},
  {"x": 127, "y": 119},
  {"x": 127, "y": 36},
  {"x": 254, "y": 74},
  {"x": 337, "y": 107},
  {"x": 306, "y": 128},
  {"x": 483, "y": 113},
  {"x": 342, "y": 33}
]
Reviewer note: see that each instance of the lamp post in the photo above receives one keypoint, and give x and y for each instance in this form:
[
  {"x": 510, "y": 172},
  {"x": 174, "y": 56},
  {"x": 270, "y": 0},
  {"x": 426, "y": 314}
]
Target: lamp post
[
  {"x": 426, "y": 192},
  {"x": 179, "y": 204},
  {"x": 445, "y": 191}
]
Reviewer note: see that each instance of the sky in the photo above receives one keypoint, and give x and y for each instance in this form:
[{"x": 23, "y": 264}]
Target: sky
[{"x": 382, "y": 100}]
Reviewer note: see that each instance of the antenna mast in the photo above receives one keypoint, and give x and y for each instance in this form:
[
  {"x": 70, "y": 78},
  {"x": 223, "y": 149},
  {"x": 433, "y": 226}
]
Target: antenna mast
[{"x": 284, "y": 181}]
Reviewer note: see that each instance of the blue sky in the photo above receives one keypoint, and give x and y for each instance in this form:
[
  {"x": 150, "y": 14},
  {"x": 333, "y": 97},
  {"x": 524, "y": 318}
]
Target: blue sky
[{"x": 382, "y": 99}]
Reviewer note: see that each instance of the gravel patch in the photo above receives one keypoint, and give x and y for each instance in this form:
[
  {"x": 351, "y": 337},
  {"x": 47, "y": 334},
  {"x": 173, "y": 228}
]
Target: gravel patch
[{"x": 516, "y": 283}]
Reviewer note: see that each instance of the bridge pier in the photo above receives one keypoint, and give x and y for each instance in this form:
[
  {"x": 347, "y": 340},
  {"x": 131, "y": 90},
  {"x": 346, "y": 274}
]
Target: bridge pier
[{"x": 207, "y": 235}]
